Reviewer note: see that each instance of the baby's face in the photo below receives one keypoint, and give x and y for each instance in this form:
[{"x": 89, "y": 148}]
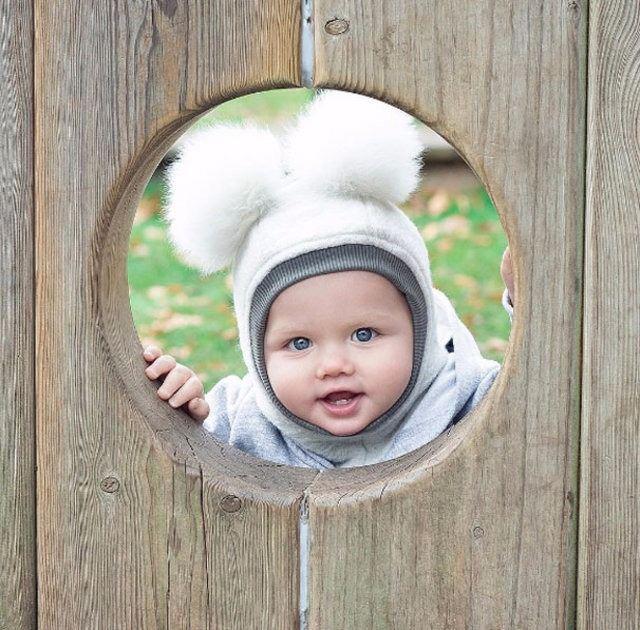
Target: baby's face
[{"x": 339, "y": 349}]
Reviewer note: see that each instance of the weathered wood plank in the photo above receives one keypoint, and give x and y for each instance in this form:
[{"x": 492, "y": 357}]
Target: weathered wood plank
[
  {"x": 17, "y": 418},
  {"x": 478, "y": 529},
  {"x": 133, "y": 527},
  {"x": 609, "y": 566}
]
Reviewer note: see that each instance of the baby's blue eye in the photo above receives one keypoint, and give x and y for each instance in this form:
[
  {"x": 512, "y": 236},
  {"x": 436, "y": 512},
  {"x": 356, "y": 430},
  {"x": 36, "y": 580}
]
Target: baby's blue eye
[
  {"x": 364, "y": 334},
  {"x": 299, "y": 343}
]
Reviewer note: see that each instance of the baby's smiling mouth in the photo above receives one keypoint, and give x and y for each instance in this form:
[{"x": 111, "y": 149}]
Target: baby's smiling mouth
[
  {"x": 340, "y": 398},
  {"x": 341, "y": 403}
]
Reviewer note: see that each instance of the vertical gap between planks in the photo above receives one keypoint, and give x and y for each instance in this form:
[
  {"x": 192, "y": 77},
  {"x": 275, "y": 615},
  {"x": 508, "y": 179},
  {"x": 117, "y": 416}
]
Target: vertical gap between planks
[
  {"x": 34, "y": 315},
  {"x": 303, "y": 540},
  {"x": 307, "y": 60},
  {"x": 583, "y": 444},
  {"x": 307, "y": 49}
]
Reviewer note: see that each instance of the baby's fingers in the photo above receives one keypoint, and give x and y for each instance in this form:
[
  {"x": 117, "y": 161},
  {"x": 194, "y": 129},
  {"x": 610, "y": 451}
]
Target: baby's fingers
[
  {"x": 192, "y": 388},
  {"x": 161, "y": 366},
  {"x": 198, "y": 409},
  {"x": 151, "y": 353},
  {"x": 174, "y": 381}
]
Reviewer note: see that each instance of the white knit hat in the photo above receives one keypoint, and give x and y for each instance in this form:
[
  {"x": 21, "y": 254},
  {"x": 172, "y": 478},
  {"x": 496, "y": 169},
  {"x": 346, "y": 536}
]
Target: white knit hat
[{"x": 321, "y": 199}]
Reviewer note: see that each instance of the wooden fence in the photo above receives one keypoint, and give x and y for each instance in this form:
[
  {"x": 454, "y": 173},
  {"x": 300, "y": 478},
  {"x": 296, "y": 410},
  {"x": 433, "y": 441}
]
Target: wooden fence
[{"x": 117, "y": 512}]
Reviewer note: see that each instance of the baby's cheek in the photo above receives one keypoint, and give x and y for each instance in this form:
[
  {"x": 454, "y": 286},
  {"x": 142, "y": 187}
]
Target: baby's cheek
[
  {"x": 288, "y": 382},
  {"x": 393, "y": 373}
]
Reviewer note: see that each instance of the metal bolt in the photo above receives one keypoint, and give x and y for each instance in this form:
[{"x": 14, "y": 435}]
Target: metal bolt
[
  {"x": 336, "y": 26},
  {"x": 230, "y": 503},
  {"x": 110, "y": 485},
  {"x": 478, "y": 532}
]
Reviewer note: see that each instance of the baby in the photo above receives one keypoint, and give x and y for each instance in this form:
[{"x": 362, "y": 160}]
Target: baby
[{"x": 353, "y": 357}]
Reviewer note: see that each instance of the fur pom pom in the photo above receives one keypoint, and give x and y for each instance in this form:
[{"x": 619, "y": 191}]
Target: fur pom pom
[
  {"x": 353, "y": 145},
  {"x": 224, "y": 179}
]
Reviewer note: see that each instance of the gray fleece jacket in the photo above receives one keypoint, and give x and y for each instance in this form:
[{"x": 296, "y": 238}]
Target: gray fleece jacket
[{"x": 236, "y": 419}]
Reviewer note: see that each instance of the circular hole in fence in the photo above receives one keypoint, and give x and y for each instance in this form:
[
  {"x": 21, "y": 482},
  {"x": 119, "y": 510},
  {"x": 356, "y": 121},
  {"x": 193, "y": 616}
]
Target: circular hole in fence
[{"x": 191, "y": 317}]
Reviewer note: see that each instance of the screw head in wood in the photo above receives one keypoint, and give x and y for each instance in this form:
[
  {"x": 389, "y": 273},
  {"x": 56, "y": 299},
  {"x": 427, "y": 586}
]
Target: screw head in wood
[
  {"x": 336, "y": 26},
  {"x": 478, "y": 532},
  {"x": 230, "y": 503},
  {"x": 110, "y": 485}
]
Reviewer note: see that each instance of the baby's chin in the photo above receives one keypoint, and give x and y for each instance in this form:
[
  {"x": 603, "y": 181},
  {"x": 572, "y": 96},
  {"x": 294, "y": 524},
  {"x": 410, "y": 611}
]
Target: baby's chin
[{"x": 342, "y": 427}]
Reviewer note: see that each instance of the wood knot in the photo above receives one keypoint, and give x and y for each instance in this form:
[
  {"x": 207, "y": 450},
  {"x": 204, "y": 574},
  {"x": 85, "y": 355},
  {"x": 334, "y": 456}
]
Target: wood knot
[
  {"x": 336, "y": 26},
  {"x": 230, "y": 503},
  {"x": 110, "y": 485}
]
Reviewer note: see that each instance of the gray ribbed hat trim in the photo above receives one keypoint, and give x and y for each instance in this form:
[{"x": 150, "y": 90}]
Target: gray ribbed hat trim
[{"x": 350, "y": 257}]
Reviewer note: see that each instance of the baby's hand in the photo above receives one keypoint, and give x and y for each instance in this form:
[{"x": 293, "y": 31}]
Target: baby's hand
[
  {"x": 180, "y": 387},
  {"x": 506, "y": 270}
]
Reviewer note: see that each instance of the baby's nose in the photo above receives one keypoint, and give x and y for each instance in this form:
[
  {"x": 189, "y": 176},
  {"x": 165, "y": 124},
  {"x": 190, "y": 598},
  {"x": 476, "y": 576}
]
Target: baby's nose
[{"x": 334, "y": 363}]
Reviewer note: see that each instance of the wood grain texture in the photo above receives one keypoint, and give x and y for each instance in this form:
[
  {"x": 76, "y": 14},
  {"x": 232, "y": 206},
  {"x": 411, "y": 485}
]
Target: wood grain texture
[
  {"x": 17, "y": 418},
  {"x": 132, "y": 527},
  {"x": 477, "y": 529},
  {"x": 609, "y": 586}
]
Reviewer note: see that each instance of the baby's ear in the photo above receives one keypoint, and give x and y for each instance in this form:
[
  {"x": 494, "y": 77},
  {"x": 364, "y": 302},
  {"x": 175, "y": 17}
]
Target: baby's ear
[{"x": 224, "y": 179}]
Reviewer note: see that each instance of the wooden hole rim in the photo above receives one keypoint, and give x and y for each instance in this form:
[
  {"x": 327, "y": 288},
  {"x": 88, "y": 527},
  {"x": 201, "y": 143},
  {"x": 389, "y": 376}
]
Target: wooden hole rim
[{"x": 231, "y": 471}]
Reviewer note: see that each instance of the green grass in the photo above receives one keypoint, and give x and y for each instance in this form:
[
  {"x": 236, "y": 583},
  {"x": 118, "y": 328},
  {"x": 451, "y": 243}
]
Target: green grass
[
  {"x": 192, "y": 318},
  {"x": 261, "y": 107},
  {"x": 465, "y": 259}
]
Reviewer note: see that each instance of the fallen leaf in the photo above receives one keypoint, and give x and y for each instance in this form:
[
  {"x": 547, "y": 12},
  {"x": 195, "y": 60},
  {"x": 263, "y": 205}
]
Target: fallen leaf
[
  {"x": 229, "y": 334},
  {"x": 463, "y": 203},
  {"x": 175, "y": 321},
  {"x": 444, "y": 245},
  {"x": 202, "y": 300},
  {"x": 157, "y": 292},
  {"x": 181, "y": 352},
  {"x": 223, "y": 307},
  {"x": 140, "y": 249},
  {"x": 469, "y": 319},
  {"x": 438, "y": 203},
  {"x": 476, "y": 302},
  {"x": 181, "y": 299},
  {"x": 153, "y": 233},
  {"x": 494, "y": 344},
  {"x": 430, "y": 231},
  {"x": 148, "y": 207},
  {"x": 456, "y": 224},
  {"x": 466, "y": 282}
]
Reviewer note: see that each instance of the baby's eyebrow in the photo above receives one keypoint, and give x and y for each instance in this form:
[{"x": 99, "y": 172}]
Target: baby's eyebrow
[
  {"x": 370, "y": 318},
  {"x": 365, "y": 319},
  {"x": 286, "y": 331},
  {"x": 373, "y": 315}
]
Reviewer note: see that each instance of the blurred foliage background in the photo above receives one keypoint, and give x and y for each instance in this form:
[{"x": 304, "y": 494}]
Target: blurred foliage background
[{"x": 192, "y": 317}]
